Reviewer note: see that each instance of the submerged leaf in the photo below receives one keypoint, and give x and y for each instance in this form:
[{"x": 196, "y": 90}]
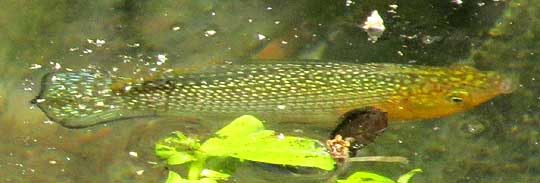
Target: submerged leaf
[
  {"x": 177, "y": 149},
  {"x": 245, "y": 138},
  {"x": 366, "y": 177},
  {"x": 405, "y": 178},
  {"x": 173, "y": 177},
  {"x": 216, "y": 175}
]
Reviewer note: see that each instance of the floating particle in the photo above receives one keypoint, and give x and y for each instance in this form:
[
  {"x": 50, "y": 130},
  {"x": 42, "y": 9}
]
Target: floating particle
[
  {"x": 35, "y": 66},
  {"x": 430, "y": 39},
  {"x": 281, "y": 136},
  {"x": 161, "y": 59},
  {"x": 349, "y": 2},
  {"x": 100, "y": 42},
  {"x": 176, "y": 28},
  {"x": 458, "y": 2},
  {"x": 139, "y": 172},
  {"x": 57, "y": 66},
  {"x": 97, "y": 42},
  {"x": 281, "y": 107},
  {"x": 393, "y": 8},
  {"x": 284, "y": 42},
  {"x": 260, "y": 36},
  {"x": 100, "y": 104},
  {"x": 87, "y": 51},
  {"x": 374, "y": 26},
  {"x": 133, "y": 154},
  {"x": 209, "y": 33},
  {"x": 134, "y": 45}
]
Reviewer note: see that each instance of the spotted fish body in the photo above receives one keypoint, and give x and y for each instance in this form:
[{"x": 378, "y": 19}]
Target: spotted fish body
[{"x": 302, "y": 92}]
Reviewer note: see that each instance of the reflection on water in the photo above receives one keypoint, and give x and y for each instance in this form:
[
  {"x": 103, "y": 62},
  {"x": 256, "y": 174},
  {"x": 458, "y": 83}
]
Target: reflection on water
[{"x": 496, "y": 142}]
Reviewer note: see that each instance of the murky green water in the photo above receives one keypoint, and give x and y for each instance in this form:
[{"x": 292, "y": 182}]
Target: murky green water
[{"x": 498, "y": 141}]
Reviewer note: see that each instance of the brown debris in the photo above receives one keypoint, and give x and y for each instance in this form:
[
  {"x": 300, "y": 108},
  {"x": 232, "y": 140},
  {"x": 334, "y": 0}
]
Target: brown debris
[
  {"x": 360, "y": 127},
  {"x": 338, "y": 147}
]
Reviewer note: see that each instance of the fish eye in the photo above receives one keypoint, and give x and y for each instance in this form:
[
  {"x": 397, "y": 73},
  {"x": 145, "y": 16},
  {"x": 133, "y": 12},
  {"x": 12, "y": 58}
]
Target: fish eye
[
  {"x": 456, "y": 99},
  {"x": 458, "y": 96}
]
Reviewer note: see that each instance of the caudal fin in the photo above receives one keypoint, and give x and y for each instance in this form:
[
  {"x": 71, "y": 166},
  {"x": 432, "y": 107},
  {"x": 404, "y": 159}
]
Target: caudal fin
[{"x": 81, "y": 99}]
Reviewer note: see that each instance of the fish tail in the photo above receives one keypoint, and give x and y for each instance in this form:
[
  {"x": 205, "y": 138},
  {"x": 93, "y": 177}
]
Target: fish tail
[{"x": 82, "y": 99}]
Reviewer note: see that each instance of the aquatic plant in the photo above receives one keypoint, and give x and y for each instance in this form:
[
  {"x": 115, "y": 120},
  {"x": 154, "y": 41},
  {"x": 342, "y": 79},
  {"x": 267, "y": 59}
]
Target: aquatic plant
[{"x": 246, "y": 139}]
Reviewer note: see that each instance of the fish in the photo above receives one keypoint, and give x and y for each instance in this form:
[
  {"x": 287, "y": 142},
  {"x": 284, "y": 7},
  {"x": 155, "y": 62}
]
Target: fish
[{"x": 317, "y": 92}]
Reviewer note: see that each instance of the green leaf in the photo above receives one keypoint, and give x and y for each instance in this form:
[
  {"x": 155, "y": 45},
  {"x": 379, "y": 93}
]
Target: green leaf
[
  {"x": 366, "y": 177},
  {"x": 177, "y": 148},
  {"x": 405, "y": 178},
  {"x": 245, "y": 138},
  {"x": 241, "y": 126},
  {"x": 173, "y": 177},
  {"x": 180, "y": 158},
  {"x": 215, "y": 175}
]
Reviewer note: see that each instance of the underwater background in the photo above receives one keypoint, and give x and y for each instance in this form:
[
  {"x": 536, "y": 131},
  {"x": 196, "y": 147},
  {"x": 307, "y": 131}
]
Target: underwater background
[{"x": 498, "y": 141}]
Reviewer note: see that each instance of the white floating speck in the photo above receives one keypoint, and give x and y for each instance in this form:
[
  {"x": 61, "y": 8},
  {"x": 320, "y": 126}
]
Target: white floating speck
[
  {"x": 97, "y": 42},
  {"x": 250, "y": 20},
  {"x": 87, "y": 51},
  {"x": 393, "y": 6},
  {"x": 349, "y": 2},
  {"x": 209, "y": 33},
  {"x": 281, "y": 136},
  {"x": 281, "y": 106},
  {"x": 57, "y": 66},
  {"x": 268, "y": 8},
  {"x": 82, "y": 106},
  {"x": 134, "y": 45},
  {"x": 374, "y": 26},
  {"x": 133, "y": 154},
  {"x": 277, "y": 22},
  {"x": 52, "y": 162},
  {"x": 100, "y": 104},
  {"x": 176, "y": 28},
  {"x": 260, "y": 36},
  {"x": 139, "y": 172},
  {"x": 74, "y": 49},
  {"x": 127, "y": 88},
  {"x": 39, "y": 100},
  {"x": 100, "y": 42},
  {"x": 284, "y": 42},
  {"x": 35, "y": 66},
  {"x": 161, "y": 59},
  {"x": 213, "y": 13},
  {"x": 458, "y": 2}
]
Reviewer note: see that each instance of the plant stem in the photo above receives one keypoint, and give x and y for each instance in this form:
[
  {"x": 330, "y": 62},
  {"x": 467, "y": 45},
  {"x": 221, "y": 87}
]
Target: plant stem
[{"x": 196, "y": 167}]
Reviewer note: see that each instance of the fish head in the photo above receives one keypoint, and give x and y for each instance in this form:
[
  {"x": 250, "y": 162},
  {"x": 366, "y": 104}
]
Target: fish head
[{"x": 444, "y": 92}]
